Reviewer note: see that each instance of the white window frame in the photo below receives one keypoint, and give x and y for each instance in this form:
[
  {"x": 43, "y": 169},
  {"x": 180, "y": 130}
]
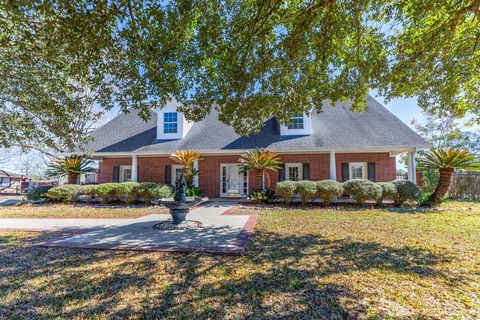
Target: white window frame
[
  {"x": 364, "y": 169},
  {"x": 175, "y": 167},
  {"x": 170, "y": 122},
  {"x": 297, "y": 117},
  {"x": 292, "y": 165},
  {"x": 121, "y": 173}
]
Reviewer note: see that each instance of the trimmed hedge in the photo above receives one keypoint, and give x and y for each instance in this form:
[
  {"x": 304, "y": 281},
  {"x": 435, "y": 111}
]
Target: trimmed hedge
[
  {"x": 144, "y": 190},
  {"x": 406, "y": 190},
  {"x": 327, "y": 190},
  {"x": 306, "y": 190},
  {"x": 362, "y": 190},
  {"x": 162, "y": 191},
  {"x": 39, "y": 193},
  {"x": 286, "y": 190},
  {"x": 388, "y": 190},
  {"x": 65, "y": 193}
]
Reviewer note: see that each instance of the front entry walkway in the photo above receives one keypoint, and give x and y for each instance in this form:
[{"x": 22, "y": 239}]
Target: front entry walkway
[{"x": 220, "y": 233}]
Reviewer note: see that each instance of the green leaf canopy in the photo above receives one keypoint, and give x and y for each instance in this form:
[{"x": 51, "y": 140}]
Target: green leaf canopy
[{"x": 251, "y": 60}]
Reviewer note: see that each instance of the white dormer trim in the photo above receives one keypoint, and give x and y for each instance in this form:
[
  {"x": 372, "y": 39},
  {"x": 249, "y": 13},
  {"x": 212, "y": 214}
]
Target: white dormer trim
[
  {"x": 183, "y": 126},
  {"x": 307, "y": 128}
]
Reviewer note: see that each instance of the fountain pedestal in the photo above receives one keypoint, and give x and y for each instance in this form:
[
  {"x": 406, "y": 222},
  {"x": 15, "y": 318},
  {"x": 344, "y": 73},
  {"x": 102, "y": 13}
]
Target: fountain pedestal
[{"x": 180, "y": 205}]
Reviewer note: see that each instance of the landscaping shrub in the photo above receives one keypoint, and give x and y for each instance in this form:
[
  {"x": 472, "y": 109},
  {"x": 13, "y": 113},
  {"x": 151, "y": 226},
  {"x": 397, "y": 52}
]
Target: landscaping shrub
[
  {"x": 406, "y": 190},
  {"x": 306, "y": 189},
  {"x": 285, "y": 190},
  {"x": 193, "y": 191},
  {"x": 388, "y": 190},
  {"x": 39, "y": 193},
  {"x": 162, "y": 191},
  {"x": 66, "y": 193},
  {"x": 362, "y": 190},
  {"x": 328, "y": 190},
  {"x": 104, "y": 191},
  {"x": 126, "y": 191},
  {"x": 85, "y": 190},
  {"x": 261, "y": 196},
  {"x": 144, "y": 190}
]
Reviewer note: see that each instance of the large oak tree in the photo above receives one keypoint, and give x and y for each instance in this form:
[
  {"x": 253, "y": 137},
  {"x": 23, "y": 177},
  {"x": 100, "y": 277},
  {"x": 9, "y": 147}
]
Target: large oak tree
[{"x": 251, "y": 60}]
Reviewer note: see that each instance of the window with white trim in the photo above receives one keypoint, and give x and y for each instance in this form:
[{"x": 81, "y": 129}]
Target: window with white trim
[
  {"x": 176, "y": 172},
  {"x": 293, "y": 171},
  {"x": 170, "y": 122},
  {"x": 296, "y": 122},
  {"x": 125, "y": 173},
  {"x": 358, "y": 170}
]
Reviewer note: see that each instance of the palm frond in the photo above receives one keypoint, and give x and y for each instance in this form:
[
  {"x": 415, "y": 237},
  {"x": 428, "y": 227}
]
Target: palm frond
[
  {"x": 449, "y": 159},
  {"x": 259, "y": 159},
  {"x": 185, "y": 157},
  {"x": 74, "y": 164}
]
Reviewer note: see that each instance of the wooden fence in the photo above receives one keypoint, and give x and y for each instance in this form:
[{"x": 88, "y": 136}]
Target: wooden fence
[{"x": 465, "y": 185}]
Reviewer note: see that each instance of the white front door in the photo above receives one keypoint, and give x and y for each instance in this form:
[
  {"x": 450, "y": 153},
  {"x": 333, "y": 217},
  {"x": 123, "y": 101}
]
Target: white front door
[{"x": 233, "y": 182}]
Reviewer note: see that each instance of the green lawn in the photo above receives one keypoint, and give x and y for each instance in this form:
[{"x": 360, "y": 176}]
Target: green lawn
[
  {"x": 76, "y": 211},
  {"x": 299, "y": 264}
]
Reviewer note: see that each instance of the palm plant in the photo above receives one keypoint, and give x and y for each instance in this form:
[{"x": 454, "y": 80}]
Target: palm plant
[
  {"x": 262, "y": 161},
  {"x": 71, "y": 167},
  {"x": 187, "y": 158},
  {"x": 446, "y": 161}
]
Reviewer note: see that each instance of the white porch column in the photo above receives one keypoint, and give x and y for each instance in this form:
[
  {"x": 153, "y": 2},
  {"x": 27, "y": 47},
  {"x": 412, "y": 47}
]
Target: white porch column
[
  {"x": 195, "y": 179},
  {"x": 412, "y": 166},
  {"x": 134, "y": 168},
  {"x": 333, "y": 166}
]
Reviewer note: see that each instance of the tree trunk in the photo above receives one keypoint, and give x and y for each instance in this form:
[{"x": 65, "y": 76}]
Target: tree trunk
[
  {"x": 259, "y": 179},
  {"x": 72, "y": 178},
  {"x": 446, "y": 176}
]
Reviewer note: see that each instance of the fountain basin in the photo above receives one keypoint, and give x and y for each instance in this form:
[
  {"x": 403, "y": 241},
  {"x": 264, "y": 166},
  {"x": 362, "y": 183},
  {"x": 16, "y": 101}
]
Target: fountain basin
[{"x": 180, "y": 209}]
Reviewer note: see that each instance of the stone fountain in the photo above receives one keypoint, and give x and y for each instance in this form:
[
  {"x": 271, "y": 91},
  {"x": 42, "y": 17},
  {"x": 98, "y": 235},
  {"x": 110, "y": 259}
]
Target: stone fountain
[{"x": 180, "y": 205}]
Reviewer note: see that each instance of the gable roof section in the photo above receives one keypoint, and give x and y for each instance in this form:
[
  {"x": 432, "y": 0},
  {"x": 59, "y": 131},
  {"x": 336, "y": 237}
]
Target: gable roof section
[{"x": 335, "y": 128}]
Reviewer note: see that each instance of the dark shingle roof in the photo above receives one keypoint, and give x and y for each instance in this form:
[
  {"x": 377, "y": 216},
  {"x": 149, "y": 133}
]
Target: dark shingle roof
[{"x": 335, "y": 128}]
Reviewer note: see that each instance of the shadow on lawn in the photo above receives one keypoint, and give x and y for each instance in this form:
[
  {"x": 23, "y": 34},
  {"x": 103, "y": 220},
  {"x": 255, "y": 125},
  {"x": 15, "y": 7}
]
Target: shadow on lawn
[{"x": 280, "y": 276}]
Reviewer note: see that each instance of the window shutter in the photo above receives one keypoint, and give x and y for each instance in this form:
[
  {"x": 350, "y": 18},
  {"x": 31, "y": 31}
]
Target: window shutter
[
  {"x": 371, "y": 171},
  {"x": 168, "y": 174},
  {"x": 281, "y": 172},
  {"x": 345, "y": 171},
  {"x": 306, "y": 171},
  {"x": 116, "y": 174}
]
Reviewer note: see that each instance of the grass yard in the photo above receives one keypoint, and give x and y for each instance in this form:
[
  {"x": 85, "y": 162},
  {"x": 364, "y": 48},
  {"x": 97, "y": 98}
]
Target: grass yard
[
  {"x": 300, "y": 264},
  {"x": 76, "y": 211}
]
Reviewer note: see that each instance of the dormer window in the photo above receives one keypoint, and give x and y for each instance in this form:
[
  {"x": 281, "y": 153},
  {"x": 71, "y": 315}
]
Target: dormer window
[
  {"x": 170, "y": 122},
  {"x": 296, "y": 122}
]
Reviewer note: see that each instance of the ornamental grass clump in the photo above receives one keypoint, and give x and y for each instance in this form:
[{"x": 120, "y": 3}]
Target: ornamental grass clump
[
  {"x": 328, "y": 190},
  {"x": 306, "y": 189},
  {"x": 362, "y": 190},
  {"x": 388, "y": 190},
  {"x": 65, "y": 193},
  {"x": 406, "y": 191},
  {"x": 286, "y": 191}
]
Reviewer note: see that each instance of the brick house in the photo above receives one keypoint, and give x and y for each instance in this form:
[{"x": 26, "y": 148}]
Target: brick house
[{"x": 334, "y": 144}]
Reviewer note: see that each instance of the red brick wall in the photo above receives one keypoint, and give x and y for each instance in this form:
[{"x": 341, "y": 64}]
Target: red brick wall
[
  {"x": 153, "y": 168},
  {"x": 105, "y": 169},
  {"x": 209, "y": 174},
  {"x": 385, "y": 166},
  {"x": 319, "y": 165}
]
